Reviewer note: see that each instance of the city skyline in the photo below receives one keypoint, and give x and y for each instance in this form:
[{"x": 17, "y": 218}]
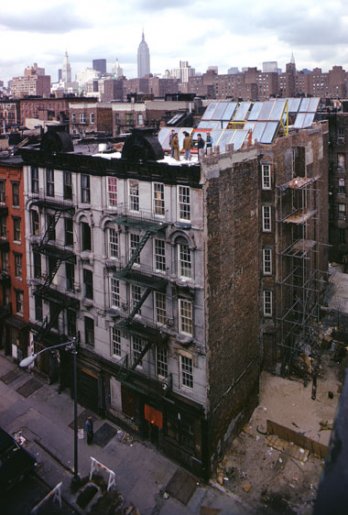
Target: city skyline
[{"x": 225, "y": 34}]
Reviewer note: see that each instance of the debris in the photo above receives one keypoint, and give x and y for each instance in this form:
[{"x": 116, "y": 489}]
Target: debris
[{"x": 246, "y": 486}]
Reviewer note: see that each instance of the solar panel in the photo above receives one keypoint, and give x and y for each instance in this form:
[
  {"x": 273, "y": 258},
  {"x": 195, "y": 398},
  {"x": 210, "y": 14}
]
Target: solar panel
[
  {"x": 225, "y": 138},
  {"x": 294, "y": 104},
  {"x": 269, "y": 132},
  {"x": 300, "y": 118},
  {"x": 255, "y": 111},
  {"x": 207, "y": 115},
  {"x": 219, "y": 111},
  {"x": 238, "y": 138},
  {"x": 242, "y": 111},
  {"x": 230, "y": 109}
]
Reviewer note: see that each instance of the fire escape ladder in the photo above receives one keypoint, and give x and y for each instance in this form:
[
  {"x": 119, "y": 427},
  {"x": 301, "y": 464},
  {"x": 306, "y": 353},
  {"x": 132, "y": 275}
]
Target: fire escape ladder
[
  {"x": 141, "y": 355},
  {"x": 137, "y": 250},
  {"x": 51, "y": 226},
  {"x": 138, "y": 305},
  {"x": 50, "y": 276},
  {"x": 47, "y": 324}
]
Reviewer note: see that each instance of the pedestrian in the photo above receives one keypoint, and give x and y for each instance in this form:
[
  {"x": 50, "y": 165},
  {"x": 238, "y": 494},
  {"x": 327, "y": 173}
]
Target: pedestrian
[
  {"x": 186, "y": 146},
  {"x": 200, "y": 146},
  {"x": 171, "y": 142},
  {"x": 209, "y": 142},
  {"x": 175, "y": 147},
  {"x": 89, "y": 430}
]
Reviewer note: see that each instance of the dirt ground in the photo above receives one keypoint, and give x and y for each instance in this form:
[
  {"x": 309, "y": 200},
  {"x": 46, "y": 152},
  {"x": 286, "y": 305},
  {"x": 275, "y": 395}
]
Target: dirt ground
[{"x": 268, "y": 473}]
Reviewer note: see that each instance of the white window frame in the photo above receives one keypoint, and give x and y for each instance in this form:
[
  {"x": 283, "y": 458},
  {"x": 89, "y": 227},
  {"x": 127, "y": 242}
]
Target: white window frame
[
  {"x": 158, "y": 199},
  {"x": 267, "y": 218},
  {"x": 160, "y": 307},
  {"x": 267, "y": 265},
  {"x": 162, "y": 362},
  {"x": 160, "y": 255},
  {"x": 267, "y": 303},
  {"x": 137, "y": 347},
  {"x": 115, "y": 299},
  {"x": 112, "y": 191},
  {"x": 113, "y": 243},
  {"x": 184, "y": 261},
  {"x": 134, "y": 240},
  {"x": 115, "y": 342},
  {"x": 266, "y": 176},
  {"x": 186, "y": 371},
  {"x": 134, "y": 197},
  {"x": 185, "y": 308},
  {"x": 184, "y": 203}
]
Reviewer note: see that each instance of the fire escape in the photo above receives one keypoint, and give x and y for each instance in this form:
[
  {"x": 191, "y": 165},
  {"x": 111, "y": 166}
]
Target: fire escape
[
  {"x": 148, "y": 282},
  {"x": 56, "y": 256},
  {"x": 5, "y": 279}
]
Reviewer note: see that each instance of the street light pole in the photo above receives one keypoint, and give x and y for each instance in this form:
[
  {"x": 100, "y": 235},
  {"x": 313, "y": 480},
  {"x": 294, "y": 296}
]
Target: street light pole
[{"x": 26, "y": 362}]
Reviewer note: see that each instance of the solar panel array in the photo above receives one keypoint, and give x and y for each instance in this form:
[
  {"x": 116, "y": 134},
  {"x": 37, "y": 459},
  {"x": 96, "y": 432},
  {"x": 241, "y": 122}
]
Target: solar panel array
[{"x": 230, "y": 122}]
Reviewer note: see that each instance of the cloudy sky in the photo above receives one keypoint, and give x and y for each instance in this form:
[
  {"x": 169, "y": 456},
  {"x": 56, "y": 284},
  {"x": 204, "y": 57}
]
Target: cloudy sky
[{"x": 204, "y": 32}]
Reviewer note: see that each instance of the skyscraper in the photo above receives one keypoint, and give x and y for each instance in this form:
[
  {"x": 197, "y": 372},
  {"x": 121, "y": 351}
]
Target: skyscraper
[
  {"x": 66, "y": 69},
  {"x": 143, "y": 58},
  {"x": 99, "y": 65}
]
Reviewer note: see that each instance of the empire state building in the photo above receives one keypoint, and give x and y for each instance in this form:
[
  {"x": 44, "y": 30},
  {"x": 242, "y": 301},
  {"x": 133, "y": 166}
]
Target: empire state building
[{"x": 143, "y": 58}]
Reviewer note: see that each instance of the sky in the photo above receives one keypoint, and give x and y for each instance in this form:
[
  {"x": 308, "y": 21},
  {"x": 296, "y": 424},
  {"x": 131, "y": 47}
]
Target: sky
[{"x": 223, "y": 33}]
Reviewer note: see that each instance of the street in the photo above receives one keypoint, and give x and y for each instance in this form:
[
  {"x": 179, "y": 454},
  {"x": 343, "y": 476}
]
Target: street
[{"x": 145, "y": 478}]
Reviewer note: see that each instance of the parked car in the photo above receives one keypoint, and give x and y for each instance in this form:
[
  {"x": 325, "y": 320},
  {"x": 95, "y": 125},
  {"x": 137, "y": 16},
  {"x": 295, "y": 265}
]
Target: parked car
[{"x": 15, "y": 461}]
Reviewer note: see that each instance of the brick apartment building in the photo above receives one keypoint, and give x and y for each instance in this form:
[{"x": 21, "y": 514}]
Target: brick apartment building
[{"x": 14, "y": 302}]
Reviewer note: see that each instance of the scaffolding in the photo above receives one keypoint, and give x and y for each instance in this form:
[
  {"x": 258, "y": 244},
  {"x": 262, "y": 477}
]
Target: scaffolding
[{"x": 299, "y": 277}]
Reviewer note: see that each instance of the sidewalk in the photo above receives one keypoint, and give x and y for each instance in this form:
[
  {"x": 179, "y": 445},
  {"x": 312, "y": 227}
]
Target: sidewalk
[{"x": 45, "y": 418}]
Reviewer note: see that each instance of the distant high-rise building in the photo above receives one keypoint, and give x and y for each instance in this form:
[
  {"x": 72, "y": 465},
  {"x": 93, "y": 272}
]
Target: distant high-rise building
[
  {"x": 143, "y": 58},
  {"x": 269, "y": 66},
  {"x": 117, "y": 71},
  {"x": 66, "y": 69},
  {"x": 99, "y": 65},
  {"x": 233, "y": 70}
]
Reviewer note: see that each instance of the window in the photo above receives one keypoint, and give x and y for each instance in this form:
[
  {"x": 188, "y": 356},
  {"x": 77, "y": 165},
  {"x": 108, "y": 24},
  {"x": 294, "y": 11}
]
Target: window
[
  {"x": 266, "y": 177},
  {"x": 135, "y": 296},
  {"x": 49, "y": 182},
  {"x": 35, "y": 223},
  {"x": 2, "y": 192},
  {"x": 68, "y": 194},
  {"x": 86, "y": 236},
  {"x": 342, "y": 235},
  {"x": 115, "y": 292},
  {"x": 112, "y": 191},
  {"x": 69, "y": 231},
  {"x": 113, "y": 243},
  {"x": 186, "y": 371},
  {"x": 16, "y": 229},
  {"x": 4, "y": 261},
  {"x": 184, "y": 260},
  {"x": 115, "y": 341},
  {"x": 51, "y": 227},
  {"x": 19, "y": 302},
  {"x": 341, "y": 211},
  {"x": 341, "y": 185},
  {"x": 160, "y": 307},
  {"x": 70, "y": 276},
  {"x": 184, "y": 203},
  {"x": 38, "y": 308},
  {"x": 82, "y": 117},
  {"x": 37, "y": 265},
  {"x": 185, "y": 316},
  {"x": 73, "y": 117},
  {"x": 160, "y": 256},
  {"x": 53, "y": 265},
  {"x": 267, "y": 261},
  {"x": 85, "y": 189},
  {"x": 71, "y": 322},
  {"x": 3, "y": 228},
  {"x": 92, "y": 118},
  {"x": 18, "y": 265},
  {"x": 88, "y": 283},
  {"x": 134, "y": 195},
  {"x": 15, "y": 194},
  {"x": 266, "y": 219},
  {"x": 34, "y": 179},
  {"x": 138, "y": 345},
  {"x": 341, "y": 162},
  {"x": 89, "y": 331},
  {"x": 267, "y": 303},
  {"x": 162, "y": 362},
  {"x": 134, "y": 243},
  {"x": 158, "y": 198}
]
